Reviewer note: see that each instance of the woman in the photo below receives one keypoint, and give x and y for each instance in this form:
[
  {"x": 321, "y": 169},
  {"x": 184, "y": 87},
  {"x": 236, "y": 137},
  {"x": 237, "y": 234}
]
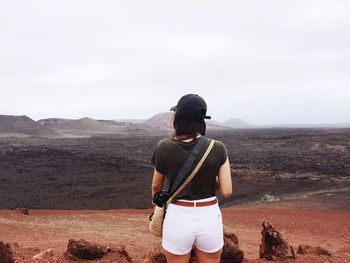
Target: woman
[{"x": 194, "y": 218}]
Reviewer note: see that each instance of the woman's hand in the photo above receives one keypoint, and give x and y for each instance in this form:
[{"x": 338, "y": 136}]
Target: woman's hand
[{"x": 223, "y": 180}]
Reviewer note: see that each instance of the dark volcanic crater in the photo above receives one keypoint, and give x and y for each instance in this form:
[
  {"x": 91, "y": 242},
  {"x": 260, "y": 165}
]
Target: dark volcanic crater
[{"x": 115, "y": 172}]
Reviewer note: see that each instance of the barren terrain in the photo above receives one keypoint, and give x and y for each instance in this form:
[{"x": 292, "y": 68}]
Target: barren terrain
[
  {"x": 98, "y": 189},
  {"x": 42, "y": 230},
  {"x": 99, "y": 172}
]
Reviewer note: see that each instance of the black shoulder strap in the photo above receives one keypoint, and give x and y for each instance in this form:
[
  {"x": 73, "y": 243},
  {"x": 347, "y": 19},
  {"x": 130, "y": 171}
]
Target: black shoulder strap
[{"x": 189, "y": 164}]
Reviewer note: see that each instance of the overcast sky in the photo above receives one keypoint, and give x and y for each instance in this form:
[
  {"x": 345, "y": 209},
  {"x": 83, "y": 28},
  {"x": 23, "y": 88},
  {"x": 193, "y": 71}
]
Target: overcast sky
[{"x": 262, "y": 61}]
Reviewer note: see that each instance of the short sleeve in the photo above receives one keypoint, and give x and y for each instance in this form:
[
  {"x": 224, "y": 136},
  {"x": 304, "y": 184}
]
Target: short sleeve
[
  {"x": 157, "y": 158},
  {"x": 221, "y": 152}
]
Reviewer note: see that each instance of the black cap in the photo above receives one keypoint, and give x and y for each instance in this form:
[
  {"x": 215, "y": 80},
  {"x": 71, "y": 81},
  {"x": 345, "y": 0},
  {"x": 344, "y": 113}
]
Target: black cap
[{"x": 193, "y": 106}]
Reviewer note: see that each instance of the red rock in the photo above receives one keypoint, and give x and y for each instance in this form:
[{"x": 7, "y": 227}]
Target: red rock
[
  {"x": 156, "y": 255},
  {"x": 23, "y": 210},
  {"x": 44, "y": 254},
  {"x": 5, "y": 253},
  {"x": 124, "y": 255},
  {"x": 231, "y": 236},
  {"x": 85, "y": 250},
  {"x": 306, "y": 249},
  {"x": 231, "y": 253},
  {"x": 322, "y": 251},
  {"x": 273, "y": 246}
]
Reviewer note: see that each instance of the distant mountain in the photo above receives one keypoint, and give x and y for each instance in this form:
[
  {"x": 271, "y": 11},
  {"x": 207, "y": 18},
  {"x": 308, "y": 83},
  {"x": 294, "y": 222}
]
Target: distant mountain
[
  {"x": 215, "y": 126},
  {"x": 160, "y": 120},
  {"x": 212, "y": 122},
  {"x": 135, "y": 121},
  {"x": 164, "y": 121},
  {"x": 236, "y": 123},
  {"x": 343, "y": 125},
  {"x": 88, "y": 127},
  {"x": 307, "y": 125},
  {"x": 22, "y": 126},
  {"x": 86, "y": 124},
  {"x": 159, "y": 124}
]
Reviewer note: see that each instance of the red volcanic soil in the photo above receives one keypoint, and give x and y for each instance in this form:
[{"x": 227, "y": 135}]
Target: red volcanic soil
[{"x": 44, "y": 229}]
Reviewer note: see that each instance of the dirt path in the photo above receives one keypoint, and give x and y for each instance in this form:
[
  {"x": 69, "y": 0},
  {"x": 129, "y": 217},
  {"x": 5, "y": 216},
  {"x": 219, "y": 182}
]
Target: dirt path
[{"x": 52, "y": 229}]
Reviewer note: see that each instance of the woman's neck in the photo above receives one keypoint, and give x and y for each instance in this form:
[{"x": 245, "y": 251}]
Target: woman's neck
[{"x": 185, "y": 138}]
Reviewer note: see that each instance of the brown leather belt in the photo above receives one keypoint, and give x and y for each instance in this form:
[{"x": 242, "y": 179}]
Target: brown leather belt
[{"x": 195, "y": 204}]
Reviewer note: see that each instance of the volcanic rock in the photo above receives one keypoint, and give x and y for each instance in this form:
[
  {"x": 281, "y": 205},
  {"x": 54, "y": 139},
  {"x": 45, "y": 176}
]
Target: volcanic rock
[
  {"x": 23, "y": 210},
  {"x": 5, "y": 253},
  {"x": 43, "y": 254},
  {"x": 85, "y": 250},
  {"x": 123, "y": 254},
  {"x": 306, "y": 249},
  {"x": 269, "y": 198},
  {"x": 231, "y": 253},
  {"x": 273, "y": 246},
  {"x": 232, "y": 237},
  {"x": 156, "y": 255}
]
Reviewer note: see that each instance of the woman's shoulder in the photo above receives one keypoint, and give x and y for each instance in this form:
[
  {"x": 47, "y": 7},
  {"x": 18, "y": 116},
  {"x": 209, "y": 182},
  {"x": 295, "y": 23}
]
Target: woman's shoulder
[
  {"x": 164, "y": 142},
  {"x": 219, "y": 146},
  {"x": 220, "y": 151},
  {"x": 218, "y": 143}
]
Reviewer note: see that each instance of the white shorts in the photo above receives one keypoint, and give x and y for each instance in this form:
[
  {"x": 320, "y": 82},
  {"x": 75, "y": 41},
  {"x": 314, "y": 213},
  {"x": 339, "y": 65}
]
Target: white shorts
[{"x": 187, "y": 226}]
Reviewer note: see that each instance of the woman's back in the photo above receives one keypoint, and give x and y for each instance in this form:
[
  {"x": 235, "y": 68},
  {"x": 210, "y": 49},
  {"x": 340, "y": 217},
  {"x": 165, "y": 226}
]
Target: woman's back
[{"x": 171, "y": 154}]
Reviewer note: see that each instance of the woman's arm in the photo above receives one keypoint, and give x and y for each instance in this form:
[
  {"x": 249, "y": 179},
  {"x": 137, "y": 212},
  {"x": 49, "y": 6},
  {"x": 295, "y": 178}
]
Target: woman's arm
[
  {"x": 157, "y": 182},
  {"x": 223, "y": 180}
]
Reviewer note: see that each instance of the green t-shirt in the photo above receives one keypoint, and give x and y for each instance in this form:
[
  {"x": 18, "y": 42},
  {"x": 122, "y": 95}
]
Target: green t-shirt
[{"x": 170, "y": 155}]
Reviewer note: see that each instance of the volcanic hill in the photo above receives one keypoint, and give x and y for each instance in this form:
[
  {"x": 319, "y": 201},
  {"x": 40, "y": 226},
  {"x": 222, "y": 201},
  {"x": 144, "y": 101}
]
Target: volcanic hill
[{"x": 23, "y": 126}]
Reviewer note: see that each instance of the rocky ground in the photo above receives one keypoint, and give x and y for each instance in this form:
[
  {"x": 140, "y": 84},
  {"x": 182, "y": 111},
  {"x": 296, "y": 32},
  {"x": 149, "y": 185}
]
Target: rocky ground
[
  {"x": 98, "y": 172},
  {"x": 42, "y": 229}
]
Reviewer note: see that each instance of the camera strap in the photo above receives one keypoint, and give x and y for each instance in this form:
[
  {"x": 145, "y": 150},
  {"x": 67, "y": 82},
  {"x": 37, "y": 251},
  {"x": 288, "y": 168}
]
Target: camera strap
[
  {"x": 179, "y": 183},
  {"x": 188, "y": 165}
]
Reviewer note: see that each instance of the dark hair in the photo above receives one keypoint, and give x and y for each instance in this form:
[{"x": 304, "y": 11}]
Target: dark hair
[{"x": 187, "y": 126}]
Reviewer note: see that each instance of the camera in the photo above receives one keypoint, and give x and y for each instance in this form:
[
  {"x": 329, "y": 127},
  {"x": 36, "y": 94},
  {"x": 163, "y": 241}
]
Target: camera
[{"x": 160, "y": 198}]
